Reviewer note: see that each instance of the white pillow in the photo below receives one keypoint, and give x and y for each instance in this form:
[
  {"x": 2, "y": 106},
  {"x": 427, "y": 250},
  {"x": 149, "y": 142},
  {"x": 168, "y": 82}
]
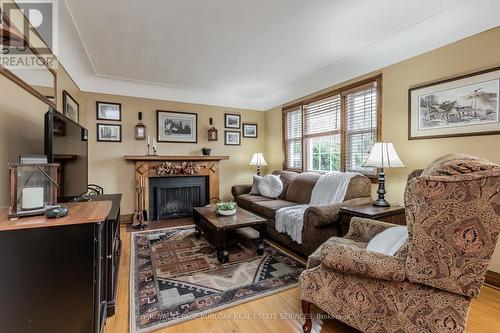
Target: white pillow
[
  {"x": 270, "y": 186},
  {"x": 255, "y": 185},
  {"x": 389, "y": 241}
]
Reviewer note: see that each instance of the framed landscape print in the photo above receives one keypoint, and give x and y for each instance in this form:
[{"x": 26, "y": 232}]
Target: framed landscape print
[
  {"x": 232, "y": 138},
  {"x": 249, "y": 130},
  {"x": 462, "y": 106},
  {"x": 232, "y": 120},
  {"x": 71, "y": 109},
  {"x": 109, "y": 133},
  {"x": 108, "y": 111},
  {"x": 177, "y": 126}
]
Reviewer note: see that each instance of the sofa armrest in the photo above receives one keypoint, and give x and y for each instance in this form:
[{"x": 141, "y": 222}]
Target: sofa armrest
[
  {"x": 363, "y": 229},
  {"x": 319, "y": 216},
  {"x": 355, "y": 260},
  {"x": 238, "y": 190}
]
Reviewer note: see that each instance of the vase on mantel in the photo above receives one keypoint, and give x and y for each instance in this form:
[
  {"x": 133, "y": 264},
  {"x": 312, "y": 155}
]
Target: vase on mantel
[{"x": 206, "y": 151}]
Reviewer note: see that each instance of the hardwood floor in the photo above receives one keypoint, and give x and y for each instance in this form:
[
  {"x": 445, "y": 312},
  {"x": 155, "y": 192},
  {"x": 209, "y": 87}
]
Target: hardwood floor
[{"x": 276, "y": 313}]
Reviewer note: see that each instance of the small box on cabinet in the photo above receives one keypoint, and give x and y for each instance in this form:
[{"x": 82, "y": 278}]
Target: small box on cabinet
[{"x": 33, "y": 188}]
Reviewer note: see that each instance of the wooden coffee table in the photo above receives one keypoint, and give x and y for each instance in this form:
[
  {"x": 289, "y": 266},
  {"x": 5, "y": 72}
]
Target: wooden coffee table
[{"x": 223, "y": 231}]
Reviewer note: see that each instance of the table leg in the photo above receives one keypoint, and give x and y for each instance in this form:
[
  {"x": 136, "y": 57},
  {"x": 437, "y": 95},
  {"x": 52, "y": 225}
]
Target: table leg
[
  {"x": 222, "y": 255},
  {"x": 260, "y": 242},
  {"x": 197, "y": 229}
]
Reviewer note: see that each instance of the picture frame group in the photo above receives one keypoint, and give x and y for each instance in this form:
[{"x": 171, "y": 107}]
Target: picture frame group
[
  {"x": 233, "y": 122},
  {"x": 109, "y": 111}
]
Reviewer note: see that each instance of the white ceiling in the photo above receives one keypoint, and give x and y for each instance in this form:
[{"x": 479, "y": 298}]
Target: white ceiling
[{"x": 251, "y": 53}]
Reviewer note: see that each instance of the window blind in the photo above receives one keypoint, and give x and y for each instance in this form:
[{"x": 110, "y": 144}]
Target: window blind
[
  {"x": 293, "y": 138},
  {"x": 322, "y": 134},
  {"x": 360, "y": 127}
]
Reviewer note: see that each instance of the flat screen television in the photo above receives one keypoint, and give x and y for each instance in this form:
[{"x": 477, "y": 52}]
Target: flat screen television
[{"x": 66, "y": 143}]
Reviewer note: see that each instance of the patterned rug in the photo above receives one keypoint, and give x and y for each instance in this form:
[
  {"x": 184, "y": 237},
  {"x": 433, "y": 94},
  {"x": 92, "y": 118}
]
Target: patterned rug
[{"x": 176, "y": 277}]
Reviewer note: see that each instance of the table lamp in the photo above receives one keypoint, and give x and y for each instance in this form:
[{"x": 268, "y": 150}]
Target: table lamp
[
  {"x": 383, "y": 155},
  {"x": 258, "y": 160}
]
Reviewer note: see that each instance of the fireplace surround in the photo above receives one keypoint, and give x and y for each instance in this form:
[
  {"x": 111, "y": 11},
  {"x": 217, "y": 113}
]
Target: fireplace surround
[{"x": 148, "y": 168}]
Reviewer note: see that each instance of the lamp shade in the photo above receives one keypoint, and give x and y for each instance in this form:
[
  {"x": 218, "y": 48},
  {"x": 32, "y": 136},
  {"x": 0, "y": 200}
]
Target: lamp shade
[
  {"x": 258, "y": 159},
  {"x": 383, "y": 155}
]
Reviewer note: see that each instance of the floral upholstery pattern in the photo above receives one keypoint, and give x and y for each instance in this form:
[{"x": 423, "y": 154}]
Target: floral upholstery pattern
[
  {"x": 453, "y": 216},
  {"x": 453, "y": 225}
]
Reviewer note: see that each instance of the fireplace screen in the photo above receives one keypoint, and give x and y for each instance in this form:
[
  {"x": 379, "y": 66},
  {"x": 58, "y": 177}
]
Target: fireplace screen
[{"x": 173, "y": 197}]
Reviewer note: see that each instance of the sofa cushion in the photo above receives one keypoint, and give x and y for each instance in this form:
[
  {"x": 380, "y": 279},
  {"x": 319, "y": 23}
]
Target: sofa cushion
[
  {"x": 301, "y": 187},
  {"x": 270, "y": 186},
  {"x": 286, "y": 178},
  {"x": 268, "y": 208},
  {"x": 246, "y": 200}
]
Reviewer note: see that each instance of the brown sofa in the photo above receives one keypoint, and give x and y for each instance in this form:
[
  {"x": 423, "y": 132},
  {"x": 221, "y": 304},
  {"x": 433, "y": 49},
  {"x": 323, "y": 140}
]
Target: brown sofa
[
  {"x": 320, "y": 222},
  {"x": 453, "y": 215}
]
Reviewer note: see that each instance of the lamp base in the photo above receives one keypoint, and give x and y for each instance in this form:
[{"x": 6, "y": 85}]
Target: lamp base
[{"x": 381, "y": 202}]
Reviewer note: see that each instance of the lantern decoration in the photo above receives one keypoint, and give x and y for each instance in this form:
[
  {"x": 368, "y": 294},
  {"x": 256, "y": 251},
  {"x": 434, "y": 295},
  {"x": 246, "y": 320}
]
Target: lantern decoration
[
  {"x": 212, "y": 132},
  {"x": 33, "y": 188},
  {"x": 140, "y": 129}
]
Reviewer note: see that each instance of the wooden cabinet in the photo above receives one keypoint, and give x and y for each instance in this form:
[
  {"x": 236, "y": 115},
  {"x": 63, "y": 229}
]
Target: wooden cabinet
[{"x": 54, "y": 271}]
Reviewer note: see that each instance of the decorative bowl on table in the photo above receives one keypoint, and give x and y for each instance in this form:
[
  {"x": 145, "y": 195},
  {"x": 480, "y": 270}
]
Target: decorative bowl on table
[{"x": 226, "y": 208}]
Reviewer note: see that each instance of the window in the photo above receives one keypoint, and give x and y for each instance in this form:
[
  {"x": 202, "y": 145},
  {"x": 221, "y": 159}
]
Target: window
[
  {"x": 322, "y": 134},
  {"x": 335, "y": 131},
  {"x": 360, "y": 127},
  {"x": 293, "y": 138}
]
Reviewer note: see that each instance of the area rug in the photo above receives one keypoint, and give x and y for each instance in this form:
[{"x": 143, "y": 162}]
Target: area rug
[{"x": 176, "y": 277}]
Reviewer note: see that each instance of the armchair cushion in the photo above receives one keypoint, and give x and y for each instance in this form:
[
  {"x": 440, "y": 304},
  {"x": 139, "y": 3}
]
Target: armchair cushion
[{"x": 355, "y": 260}]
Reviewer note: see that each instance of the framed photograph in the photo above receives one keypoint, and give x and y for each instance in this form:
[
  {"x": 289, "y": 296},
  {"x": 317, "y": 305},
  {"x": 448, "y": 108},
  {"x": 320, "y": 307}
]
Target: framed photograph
[
  {"x": 250, "y": 130},
  {"x": 462, "y": 106},
  {"x": 71, "y": 109},
  {"x": 232, "y": 138},
  {"x": 177, "y": 126},
  {"x": 109, "y": 133},
  {"x": 108, "y": 111},
  {"x": 232, "y": 120}
]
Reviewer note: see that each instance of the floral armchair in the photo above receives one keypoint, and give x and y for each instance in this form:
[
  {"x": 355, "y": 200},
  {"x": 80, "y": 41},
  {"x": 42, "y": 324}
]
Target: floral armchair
[{"x": 453, "y": 217}]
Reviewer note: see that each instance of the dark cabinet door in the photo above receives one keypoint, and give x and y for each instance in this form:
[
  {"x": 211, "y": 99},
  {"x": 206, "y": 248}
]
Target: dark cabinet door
[{"x": 47, "y": 279}]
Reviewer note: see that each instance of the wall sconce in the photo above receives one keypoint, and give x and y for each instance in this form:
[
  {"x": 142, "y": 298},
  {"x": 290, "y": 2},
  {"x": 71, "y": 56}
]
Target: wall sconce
[
  {"x": 212, "y": 132},
  {"x": 140, "y": 129}
]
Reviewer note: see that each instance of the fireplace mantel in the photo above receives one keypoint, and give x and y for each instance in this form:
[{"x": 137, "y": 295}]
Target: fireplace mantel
[
  {"x": 146, "y": 167},
  {"x": 174, "y": 158}
]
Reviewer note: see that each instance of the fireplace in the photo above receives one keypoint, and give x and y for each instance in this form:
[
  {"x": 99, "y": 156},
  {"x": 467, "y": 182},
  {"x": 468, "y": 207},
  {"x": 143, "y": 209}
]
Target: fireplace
[{"x": 174, "y": 197}]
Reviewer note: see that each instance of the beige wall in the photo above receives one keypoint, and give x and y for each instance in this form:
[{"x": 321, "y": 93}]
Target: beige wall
[
  {"x": 274, "y": 147},
  {"x": 22, "y": 121},
  {"x": 108, "y": 168},
  {"x": 472, "y": 54}
]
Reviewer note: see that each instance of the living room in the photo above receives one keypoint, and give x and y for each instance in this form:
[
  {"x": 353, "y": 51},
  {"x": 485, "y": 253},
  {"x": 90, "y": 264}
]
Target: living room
[{"x": 244, "y": 166}]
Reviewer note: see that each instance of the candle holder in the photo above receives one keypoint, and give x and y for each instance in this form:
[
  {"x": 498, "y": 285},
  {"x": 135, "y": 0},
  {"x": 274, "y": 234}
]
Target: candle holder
[{"x": 33, "y": 188}]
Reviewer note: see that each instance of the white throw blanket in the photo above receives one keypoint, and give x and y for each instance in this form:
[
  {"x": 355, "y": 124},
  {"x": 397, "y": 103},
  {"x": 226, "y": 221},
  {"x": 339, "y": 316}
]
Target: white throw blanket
[{"x": 329, "y": 189}]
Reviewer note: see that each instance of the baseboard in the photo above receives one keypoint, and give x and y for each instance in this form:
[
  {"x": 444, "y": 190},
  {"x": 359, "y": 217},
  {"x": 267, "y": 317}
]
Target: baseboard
[
  {"x": 493, "y": 279},
  {"x": 127, "y": 218}
]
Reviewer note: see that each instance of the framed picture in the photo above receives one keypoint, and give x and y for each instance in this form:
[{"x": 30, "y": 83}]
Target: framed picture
[
  {"x": 232, "y": 138},
  {"x": 177, "y": 126},
  {"x": 71, "y": 109},
  {"x": 108, "y": 111},
  {"x": 250, "y": 130},
  {"x": 462, "y": 106},
  {"x": 232, "y": 120},
  {"x": 109, "y": 133}
]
